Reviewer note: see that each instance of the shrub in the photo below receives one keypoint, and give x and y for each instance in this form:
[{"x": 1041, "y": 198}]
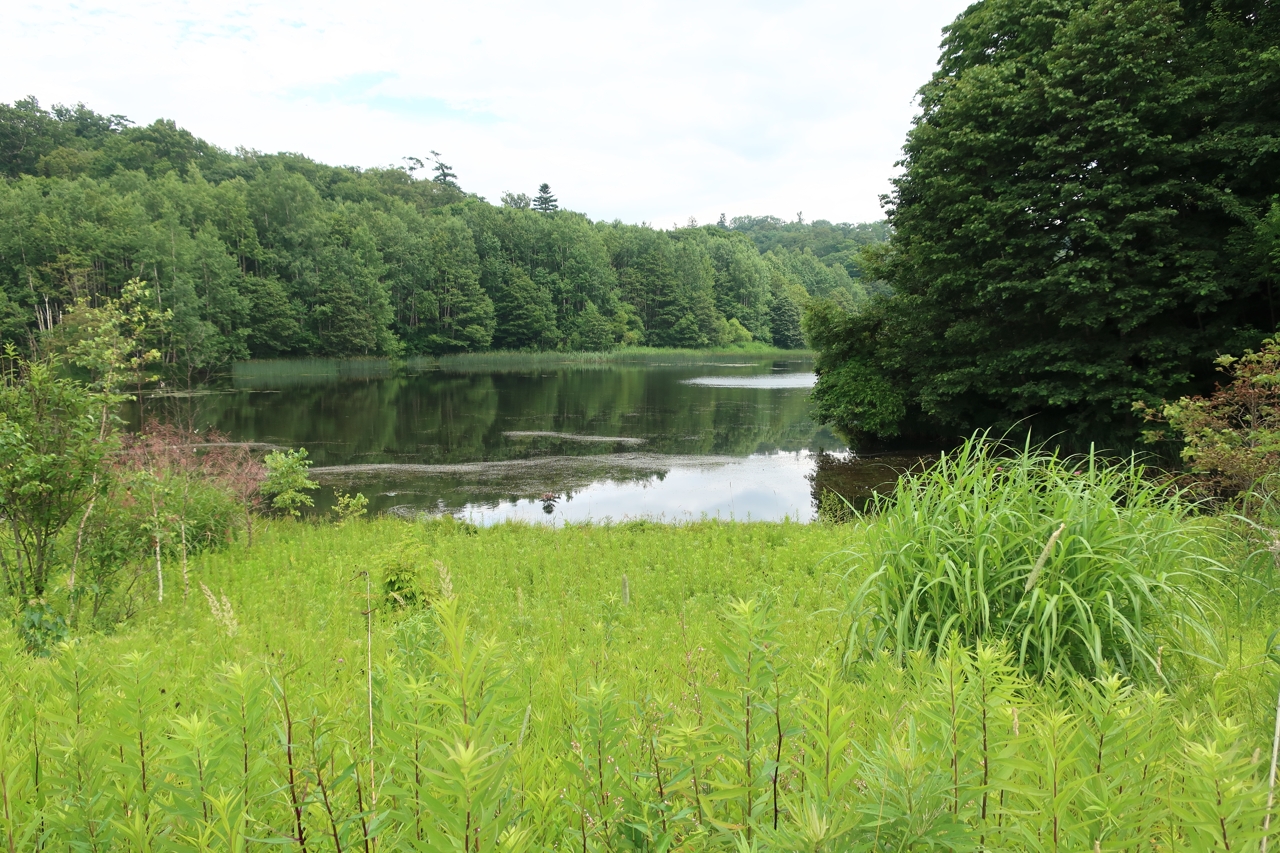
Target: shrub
[
  {"x": 170, "y": 493},
  {"x": 41, "y": 628},
  {"x": 54, "y": 434},
  {"x": 349, "y": 507},
  {"x": 287, "y": 481},
  {"x": 1230, "y": 439},
  {"x": 1079, "y": 564}
]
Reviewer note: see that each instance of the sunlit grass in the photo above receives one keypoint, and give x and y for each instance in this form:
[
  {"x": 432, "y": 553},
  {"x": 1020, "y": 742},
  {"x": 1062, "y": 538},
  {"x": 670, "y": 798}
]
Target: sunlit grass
[
  {"x": 1079, "y": 563},
  {"x": 627, "y": 687}
]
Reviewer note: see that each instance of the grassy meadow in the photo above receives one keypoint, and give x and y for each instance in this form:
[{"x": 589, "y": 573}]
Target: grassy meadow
[{"x": 392, "y": 685}]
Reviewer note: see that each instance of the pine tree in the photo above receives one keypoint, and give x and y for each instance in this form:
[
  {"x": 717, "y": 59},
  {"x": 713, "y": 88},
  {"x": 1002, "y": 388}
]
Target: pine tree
[
  {"x": 544, "y": 201},
  {"x": 444, "y": 172}
]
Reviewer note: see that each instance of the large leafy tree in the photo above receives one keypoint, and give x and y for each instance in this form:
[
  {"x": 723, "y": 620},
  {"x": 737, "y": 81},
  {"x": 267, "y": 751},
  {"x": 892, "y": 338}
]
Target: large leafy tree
[{"x": 1075, "y": 228}]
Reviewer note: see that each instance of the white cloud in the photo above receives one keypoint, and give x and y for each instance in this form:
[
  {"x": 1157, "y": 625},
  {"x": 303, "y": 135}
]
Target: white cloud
[{"x": 642, "y": 112}]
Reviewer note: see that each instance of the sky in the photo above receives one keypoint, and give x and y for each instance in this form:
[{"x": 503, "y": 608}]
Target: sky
[{"x": 644, "y": 112}]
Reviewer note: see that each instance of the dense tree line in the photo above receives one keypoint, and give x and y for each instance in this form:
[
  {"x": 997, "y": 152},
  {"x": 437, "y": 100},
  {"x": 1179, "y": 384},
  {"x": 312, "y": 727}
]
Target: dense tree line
[
  {"x": 831, "y": 243},
  {"x": 256, "y": 255},
  {"x": 1086, "y": 219}
]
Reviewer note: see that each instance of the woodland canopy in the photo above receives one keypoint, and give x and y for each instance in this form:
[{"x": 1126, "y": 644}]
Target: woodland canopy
[{"x": 263, "y": 255}]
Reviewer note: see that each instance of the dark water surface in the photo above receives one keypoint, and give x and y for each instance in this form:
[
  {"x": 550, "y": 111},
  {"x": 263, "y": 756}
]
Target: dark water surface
[{"x": 728, "y": 437}]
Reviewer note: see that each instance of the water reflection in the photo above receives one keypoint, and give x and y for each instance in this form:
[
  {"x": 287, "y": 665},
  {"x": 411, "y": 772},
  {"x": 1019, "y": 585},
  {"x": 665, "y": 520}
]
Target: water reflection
[
  {"x": 785, "y": 380},
  {"x": 731, "y": 437},
  {"x": 768, "y": 487}
]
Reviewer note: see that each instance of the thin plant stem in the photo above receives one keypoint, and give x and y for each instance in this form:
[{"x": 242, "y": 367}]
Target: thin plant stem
[
  {"x": 368, "y": 621},
  {"x": 1271, "y": 784}
]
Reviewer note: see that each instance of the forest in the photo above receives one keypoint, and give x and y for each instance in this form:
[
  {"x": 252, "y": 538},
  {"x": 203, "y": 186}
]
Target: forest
[{"x": 252, "y": 255}]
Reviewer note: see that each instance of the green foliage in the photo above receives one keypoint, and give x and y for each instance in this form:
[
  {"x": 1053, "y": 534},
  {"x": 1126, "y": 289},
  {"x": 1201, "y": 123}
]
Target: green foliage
[
  {"x": 700, "y": 716},
  {"x": 118, "y": 341},
  {"x": 832, "y": 243},
  {"x": 1059, "y": 251},
  {"x": 400, "y": 573},
  {"x": 784, "y": 320},
  {"x": 834, "y": 508},
  {"x": 1081, "y": 565},
  {"x": 53, "y": 438},
  {"x": 595, "y": 332},
  {"x": 41, "y": 628},
  {"x": 287, "y": 481},
  {"x": 544, "y": 201},
  {"x": 1230, "y": 439},
  {"x": 526, "y": 315},
  {"x": 349, "y": 507},
  {"x": 254, "y": 255},
  {"x": 149, "y": 503},
  {"x": 852, "y": 394}
]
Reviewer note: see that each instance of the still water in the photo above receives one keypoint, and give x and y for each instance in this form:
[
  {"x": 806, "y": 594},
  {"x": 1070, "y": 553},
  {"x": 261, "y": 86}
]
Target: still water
[{"x": 539, "y": 441}]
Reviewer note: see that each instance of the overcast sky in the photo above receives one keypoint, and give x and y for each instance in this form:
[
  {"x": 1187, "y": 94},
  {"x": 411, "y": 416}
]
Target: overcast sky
[{"x": 652, "y": 111}]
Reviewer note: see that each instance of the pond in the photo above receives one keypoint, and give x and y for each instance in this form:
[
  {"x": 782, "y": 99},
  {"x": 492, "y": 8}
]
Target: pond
[{"x": 663, "y": 438}]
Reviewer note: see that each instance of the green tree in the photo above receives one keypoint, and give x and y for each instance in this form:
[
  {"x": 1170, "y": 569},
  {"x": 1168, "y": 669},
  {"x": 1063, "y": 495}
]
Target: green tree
[
  {"x": 118, "y": 342},
  {"x": 458, "y": 315},
  {"x": 265, "y": 255},
  {"x": 51, "y": 447},
  {"x": 688, "y": 316},
  {"x": 287, "y": 481},
  {"x": 741, "y": 280},
  {"x": 544, "y": 201},
  {"x": 784, "y": 320},
  {"x": 444, "y": 173},
  {"x": 517, "y": 201},
  {"x": 525, "y": 315},
  {"x": 595, "y": 332},
  {"x": 1075, "y": 224},
  {"x": 273, "y": 325}
]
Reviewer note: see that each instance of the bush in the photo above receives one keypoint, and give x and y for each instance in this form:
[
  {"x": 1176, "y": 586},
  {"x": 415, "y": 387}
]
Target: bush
[
  {"x": 170, "y": 493},
  {"x": 288, "y": 481},
  {"x": 41, "y": 628},
  {"x": 1230, "y": 439},
  {"x": 54, "y": 434},
  {"x": 120, "y": 536},
  {"x": 1079, "y": 564}
]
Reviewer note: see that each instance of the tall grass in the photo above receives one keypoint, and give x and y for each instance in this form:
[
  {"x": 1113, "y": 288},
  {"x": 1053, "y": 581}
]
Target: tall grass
[
  {"x": 1079, "y": 564},
  {"x": 627, "y": 355},
  {"x": 522, "y": 703},
  {"x": 270, "y": 374}
]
